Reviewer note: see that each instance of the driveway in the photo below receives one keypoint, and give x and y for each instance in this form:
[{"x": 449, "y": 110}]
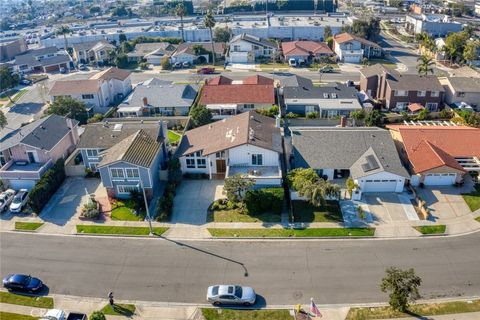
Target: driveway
[
  {"x": 445, "y": 202},
  {"x": 193, "y": 199},
  {"x": 390, "y": 207},
  {"x": 67, "y": 202}
]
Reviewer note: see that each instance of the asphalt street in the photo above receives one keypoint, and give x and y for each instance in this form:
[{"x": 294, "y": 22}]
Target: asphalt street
[{"x": 282, "y": 272}]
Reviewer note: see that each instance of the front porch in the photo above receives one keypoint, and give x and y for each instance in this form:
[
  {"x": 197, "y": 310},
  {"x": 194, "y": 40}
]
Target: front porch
[
  {"x": 221, "y": 111},
  {"x": 263, "y": 175}
]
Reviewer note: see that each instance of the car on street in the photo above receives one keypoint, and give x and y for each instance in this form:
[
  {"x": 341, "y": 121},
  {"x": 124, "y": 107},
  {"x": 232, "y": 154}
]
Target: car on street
[
  {"x": 82, "y": 67},
  {"x": 25, "y": 82},
  {"x": 22, "y": 282},
  {"x": 206, "y": 70},
  {"x": 326, "y": 69},
  {"x": 186, "y": 64},
  {"x": 231, "y": 294},
  {"x": 63, "y": 70},
  {"x": 19, "y": 201},
  {"x": 177, "y": 65},
  {"x": 6, "y": 198}
]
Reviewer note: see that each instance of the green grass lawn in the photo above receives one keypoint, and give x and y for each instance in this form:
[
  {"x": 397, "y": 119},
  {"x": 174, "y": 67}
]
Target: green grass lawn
[
  {"x": 274, "y": 65},
  {"x": 37, "y": 302},
  {"x": 431, "y": 229},
  {"x": 4, "y": 97},
  {"x": 477, "y": 219},
  {"x": 303, "y": 211},
  {"x": 27, "y": 226},
  {"x": 119, "y": 230},
  {"x": 300, "y": 233},
  {"x": 122, "y": 210},
  {"x": 417, "y": 311},
  {"x": 317, "y": 66},
  {"x": 235, "y": 215},
  {"x": 473, "y": 199},
  {"x": 228, "y": 314},
  {"x": 15, "y": 316},
  {"x": 386, "y": 63},
  {"x": 173, "y": 136},
  {"x": 119, "y": 309},
  {"x": 17, "y": 97}
]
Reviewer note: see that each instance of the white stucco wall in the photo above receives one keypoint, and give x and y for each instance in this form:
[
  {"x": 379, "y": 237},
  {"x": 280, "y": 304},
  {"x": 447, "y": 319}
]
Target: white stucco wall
[{"x": 242, "y": 155}]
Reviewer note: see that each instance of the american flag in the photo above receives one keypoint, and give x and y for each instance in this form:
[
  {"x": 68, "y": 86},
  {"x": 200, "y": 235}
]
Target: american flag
[{"x": 314, "y": 310}]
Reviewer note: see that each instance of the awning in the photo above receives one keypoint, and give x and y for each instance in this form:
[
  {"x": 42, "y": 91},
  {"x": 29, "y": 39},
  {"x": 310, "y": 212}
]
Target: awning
[
  {"x": 129, "y": 109},
  {"x": 221, "y": 106}
]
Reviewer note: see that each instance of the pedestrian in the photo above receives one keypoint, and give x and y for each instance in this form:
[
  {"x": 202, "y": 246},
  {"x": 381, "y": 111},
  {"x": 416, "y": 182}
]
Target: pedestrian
[{"x": 110, "y": 299}]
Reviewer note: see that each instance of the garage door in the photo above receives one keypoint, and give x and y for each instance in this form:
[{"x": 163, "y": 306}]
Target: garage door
[
  {"x": 351, "y": 59},
  {"x": 439, "y": 179},
  {"x": 379, "y": 186},
  {"x": 22, "y": 184},
  {"x": 52, "y": 68}
]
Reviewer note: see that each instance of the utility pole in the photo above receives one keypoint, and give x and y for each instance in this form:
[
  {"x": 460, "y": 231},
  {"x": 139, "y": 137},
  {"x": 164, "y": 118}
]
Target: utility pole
[{"x": 146, "y": 208}]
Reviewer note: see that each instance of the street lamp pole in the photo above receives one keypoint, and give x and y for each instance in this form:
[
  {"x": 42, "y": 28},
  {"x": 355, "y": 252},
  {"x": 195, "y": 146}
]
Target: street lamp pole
[{"x": 146, "y": 208}]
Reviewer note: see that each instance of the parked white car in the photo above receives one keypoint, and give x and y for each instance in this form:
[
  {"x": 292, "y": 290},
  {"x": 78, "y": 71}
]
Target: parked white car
[
  {"x": 6, "y": 198},
  {"x": 230, "y": 294},
  {"x": 19, "y": 201},
  {"x": 54, "y": 314}
]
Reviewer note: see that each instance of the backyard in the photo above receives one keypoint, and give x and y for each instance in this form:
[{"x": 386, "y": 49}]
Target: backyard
[
  {"x": 173, "y": 136},
  {"x": 303, "y": 211}
]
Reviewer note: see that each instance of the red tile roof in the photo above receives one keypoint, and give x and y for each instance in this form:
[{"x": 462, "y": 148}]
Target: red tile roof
[
  {"x": 305, "y": 47},
  {"x": 258, "y": 80},
  {"x": 414, "y": 107}
]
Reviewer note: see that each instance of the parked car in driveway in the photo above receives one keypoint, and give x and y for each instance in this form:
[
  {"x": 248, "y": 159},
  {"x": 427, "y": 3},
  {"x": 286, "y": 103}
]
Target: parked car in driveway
[
  {"x": 177, "y": 65},
  {"x": 19, "y": 201},
  {"x": 6, "y": 198},
  {"x": 58, "y": 314},
  {"x": 82, "y": 67},
  {"x": 206, "y": 70},
  {"x": 26, "y": 82},
  {"x": 231, "y": 294},
  {"x": 22, "y": 282}
]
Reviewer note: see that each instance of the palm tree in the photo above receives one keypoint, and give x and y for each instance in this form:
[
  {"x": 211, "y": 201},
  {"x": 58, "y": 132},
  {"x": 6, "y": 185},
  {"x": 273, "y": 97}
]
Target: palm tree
[
  {"x": 425, "y": 64},
  {"x": 63, "y": 30},
  {"x": 209, "y": 23},
  {"x": 181, "y": 11},
  {"x": 317, "y": 191}
]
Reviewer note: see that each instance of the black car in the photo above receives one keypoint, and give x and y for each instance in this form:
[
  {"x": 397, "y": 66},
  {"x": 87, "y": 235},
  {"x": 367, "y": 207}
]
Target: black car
[{"x": 22, "y": 282}]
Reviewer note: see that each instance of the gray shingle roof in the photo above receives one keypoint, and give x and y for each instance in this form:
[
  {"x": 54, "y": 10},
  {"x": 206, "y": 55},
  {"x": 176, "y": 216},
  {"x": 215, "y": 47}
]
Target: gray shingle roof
[
  {"x": 88, "y": 45},
  {"x": 465, "y": 84},
  {"x": 414, "y": 82},
  {"x": 340, "y": 90},
  {"x": 296, "y": 81},
  {"x": 342, "y": 148},
  {"x": 254, "y": 40},
  {"x": 44, "y": 133}
]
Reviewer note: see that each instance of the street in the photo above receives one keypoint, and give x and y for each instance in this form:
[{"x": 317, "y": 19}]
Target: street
[{"x": 282, "y": 272}]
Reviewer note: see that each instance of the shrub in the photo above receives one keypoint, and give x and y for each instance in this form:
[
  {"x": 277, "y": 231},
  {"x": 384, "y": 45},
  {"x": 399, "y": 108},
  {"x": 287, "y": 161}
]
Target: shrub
[
  {"x": 296, "y": 178},
  {"x": 292, "y": 115},
  {"x": 97, "y": 315},
  {"x": 97, "y": 117},
  {"x": 174, "y": 171},
  {"x": 164, "y": 207},
  {"x": 90, "y": 209},
  {"x": 270, "y": 112},
  {"x": 312, "y": 115},
  {"x": 47, "y": 186},
  {"x": 264, "y": 200}
]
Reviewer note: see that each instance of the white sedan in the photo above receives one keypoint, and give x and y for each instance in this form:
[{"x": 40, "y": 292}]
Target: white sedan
[{"x": 231, "y": 294}]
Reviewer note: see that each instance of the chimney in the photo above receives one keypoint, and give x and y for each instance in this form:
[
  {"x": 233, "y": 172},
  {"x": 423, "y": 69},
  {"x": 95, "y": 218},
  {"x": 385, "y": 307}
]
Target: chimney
[
  {"x": 163, "y": 134},
  {"x": 145, "y": 101},
  {"x": 343, "y": 121},
  {"x": 277, "y": 121}
]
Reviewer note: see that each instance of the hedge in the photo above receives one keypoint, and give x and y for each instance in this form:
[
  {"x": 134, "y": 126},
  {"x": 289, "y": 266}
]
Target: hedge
[
  {"x": 47, "y": 186},
  {"x": 264, "y": 200}
]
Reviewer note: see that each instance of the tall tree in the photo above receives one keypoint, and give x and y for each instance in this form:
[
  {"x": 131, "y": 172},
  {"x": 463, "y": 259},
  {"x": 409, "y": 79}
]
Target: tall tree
[
  {"x": 455, "y": 45},
  {"x": 222, "y": 34},
  {"x": 425, "y": 65},
  {"x": 3, "y": 120},
  {"x": 200, "y": 115},
  {"x": 8, "y": 80},
  {"x": 327, "y": 33},
  {"x": 64, "y": 30},
  {"x": 181, "y": 11},
  {"x": 236, "y": 186},
  {"x": 209, "y": 23},
  {"x": 470, "y": 51},
  {"x": 69, "y": 107},
  {"x": 403, "y": 286}
]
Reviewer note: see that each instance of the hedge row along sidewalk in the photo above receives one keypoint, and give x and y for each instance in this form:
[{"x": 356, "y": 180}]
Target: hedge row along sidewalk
[
  {"x": 300, "y": 233},
  {"x": 23, "y": 300},
  {"x": 119, "y": 230}
]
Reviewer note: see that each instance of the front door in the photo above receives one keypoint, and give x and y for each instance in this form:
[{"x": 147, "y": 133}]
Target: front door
[
  {"x": 31, "y": 156},
  {"x": 221, "y": 166}
]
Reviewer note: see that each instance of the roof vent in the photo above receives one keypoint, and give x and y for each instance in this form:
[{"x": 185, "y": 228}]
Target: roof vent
[{"x": 251, "y": 134}]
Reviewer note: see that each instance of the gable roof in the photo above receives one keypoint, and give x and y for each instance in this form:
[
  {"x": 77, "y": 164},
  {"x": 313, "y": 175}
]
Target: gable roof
[
  {"x": 427, "y": 156},
  {"x": 398, "y": 81},
  {"x": 246, "y": 128},
  {"x": 62, "y": 87},
  {"x": 368, "y": 163},
  {"x": 347, "y": 37},
  {"x": 296, "y": 81},
  {"x": 112, "y": 73},
  {"x": 43, "y": 133},
  {"x": 187, "y": 47},
  {"x": 158, "y": 48},
  {"x": 465, "y": 84},
  {"x": 374, "y": 70},
  {"x": 305, "y": 48},
  {"x": 89, "y": 45},
  {"x": 254, "y": 40},
  {"x": 341, "y": 148},
  {"x": 139, "y": 149},
  {"x": 341, "y": 91},
  {"x": 464, "y": 71}
]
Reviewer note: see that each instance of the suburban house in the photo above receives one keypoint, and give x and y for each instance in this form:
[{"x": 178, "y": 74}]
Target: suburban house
[
  {"x": 128, "y": 154},
  {"x": 11, "y": 47},
  {"x": 437, "y": 155},
  {"x": 98, "y": 91},
  {"x": 327, "y": 101},
  {"x": 26, "y": 153},
  {"x": 435, "y": 25},
  {"x": 353, "y": 49},
  {"x": 44, "y": 60},
  {"x": 460, "y": 90},
  {"x": 396, "y": 91},
  {"x": 92, "y": 51},
  {"x": 248, "y": 144},
  {"x": 156, "y": 97},
  {"x": 226, "y": 97},
  {"x": 367, "y": 155},
  {"x": 187, "y": 52},
  {"x": 152, "y": 53},
  {"x": 245, "y": 48},
  {"x": 305, "y": 51}
]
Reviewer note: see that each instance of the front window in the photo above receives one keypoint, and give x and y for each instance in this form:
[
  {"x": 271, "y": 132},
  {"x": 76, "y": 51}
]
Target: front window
[
  {"x": 116, "y": 173},
  {"x": 93, "y": 153},
  {"x": 435, "y": 93},
  {"x": 249, "y": 106},
  {"x": 190, "y": 163},
  {"x": 421, "y": 93},
  {"x": 257, "y": 159},
  {"x": 401, "y": 93},
  {"x": 460, "y": 94},
  {"x": 87, "y": 96},
  {"x": 201, "y": 163},
  {"x": 132, "y": 173},
  {"x": 127, "y": 189},
  {"x": 431, "y": 106}
]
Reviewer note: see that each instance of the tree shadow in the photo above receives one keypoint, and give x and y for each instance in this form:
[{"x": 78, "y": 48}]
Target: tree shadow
[
  {"x": 123, "y": 311},
  {"x": 417, "y": 316}
]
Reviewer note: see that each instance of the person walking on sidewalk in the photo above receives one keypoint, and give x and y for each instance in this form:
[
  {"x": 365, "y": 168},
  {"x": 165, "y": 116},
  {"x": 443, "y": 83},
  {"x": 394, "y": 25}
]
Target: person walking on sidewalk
[{"x": 110, "y": 300}]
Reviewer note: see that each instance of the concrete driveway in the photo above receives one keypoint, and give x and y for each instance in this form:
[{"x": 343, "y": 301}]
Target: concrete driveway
[
  {"x": 67, "y": 202},
  {"x": 193, "y": 199},
  {"x": 390, "y": 207},
  {"x": 445, "y": 202}
]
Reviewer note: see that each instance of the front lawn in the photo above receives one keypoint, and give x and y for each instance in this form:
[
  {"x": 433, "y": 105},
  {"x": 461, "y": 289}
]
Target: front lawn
[
  {"x": 286, "y": 233},
  {"x": 23, "y": 300},
  {"x": 27, "y": 226},
  {"x": 173, "y": 136},
  {"x": 473, "y": 198},
  {"x": 387, "y": 63},
  {"x": 123, "y": 211},
  {"x": 119, "y": 230},
  {"x": 235, "y": 215},
  {"x": 119, "y": 309},
  {"x": 228, "y": 314},
  {"x": 431, "y": 229},
  {"x": 303, "y": 211},
  {"x": 274, "y": 65},
  {"x": 16, "y": 97},
  {"x": 15, "y": 316},
  {"x": 417, "y": 311}
]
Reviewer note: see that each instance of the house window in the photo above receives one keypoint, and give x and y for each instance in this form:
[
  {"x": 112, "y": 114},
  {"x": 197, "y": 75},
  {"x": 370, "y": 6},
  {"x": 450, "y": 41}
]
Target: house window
[
  {"x": 236, "y": 48},
  {"x": 132, "y": 173},
  {"x": 422, "y": 93},
  {"x": 198, "y": 153},
  {"x": 401, "y": 105},
  {"x": 201, "y": 163},
  {"x": 401, "y": 93},
  {"x": 435, "y": 94},
  {"x": 460, "y": 94},
  {"x": 127, "y": 189},
  {"x": 257, "y": 159},
  {"x": 309, "y": 109},
  {"x": 190, "y": 163},
  {"x": 325, "y": 95},
  {"x": 432, "y": 106},
  {"x": 248, "y": 106},
  {"x": 92, "y": 153},
  {"x": 87, "y": 96},
  {"x": 220, "y": 155},
  {"x": 117, "y": 173}
]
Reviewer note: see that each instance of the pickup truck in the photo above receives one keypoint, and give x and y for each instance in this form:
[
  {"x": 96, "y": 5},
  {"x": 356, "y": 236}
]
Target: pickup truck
[{"x": 57, "y": 314}]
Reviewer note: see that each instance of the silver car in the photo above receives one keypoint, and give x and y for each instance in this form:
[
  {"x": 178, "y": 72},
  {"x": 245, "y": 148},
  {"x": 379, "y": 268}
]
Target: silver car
[
  {"x": 231, "y": 294},
  {"x": 6, "y": 198}
]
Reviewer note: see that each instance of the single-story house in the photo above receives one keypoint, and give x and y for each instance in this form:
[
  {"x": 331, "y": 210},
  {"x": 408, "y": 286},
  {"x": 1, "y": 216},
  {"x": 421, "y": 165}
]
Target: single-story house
[
  {"x": 185, "y": 52},
  {"x": 153, "y": 53},
  {"x": 367, "y": 155},
  {"x": 305, "y": 51},
  {"x": 248, "y": 144}
]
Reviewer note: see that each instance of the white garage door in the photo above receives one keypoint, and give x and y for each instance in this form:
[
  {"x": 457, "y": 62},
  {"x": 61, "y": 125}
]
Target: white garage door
[
  {"x": 379, "y": 186},
  {"x": 22, "y": 184},
  {"x": 439, "y": 179},
  {"x": 351, "y": 59}
]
